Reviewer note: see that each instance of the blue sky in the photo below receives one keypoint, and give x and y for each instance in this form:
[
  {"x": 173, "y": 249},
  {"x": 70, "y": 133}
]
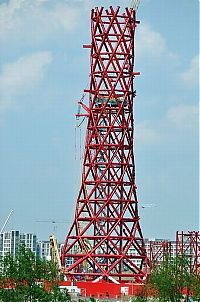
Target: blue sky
[{"x": 43, "y": 71}]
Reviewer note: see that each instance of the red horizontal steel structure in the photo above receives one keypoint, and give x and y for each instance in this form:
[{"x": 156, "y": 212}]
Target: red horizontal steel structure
[{"x": 106, "y": 224}]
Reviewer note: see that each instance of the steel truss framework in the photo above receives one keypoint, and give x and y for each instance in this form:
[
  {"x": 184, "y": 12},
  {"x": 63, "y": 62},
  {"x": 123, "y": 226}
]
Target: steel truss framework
[
  {"x": 106, "y": 224},
  {"x": 158, "y": 251},
  {"x": 188, "y": 245}
]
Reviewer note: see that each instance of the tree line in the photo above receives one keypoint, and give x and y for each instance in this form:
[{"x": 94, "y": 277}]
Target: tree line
[
  {"x": 28, "y": 278},
  {"x": 173, "y": 279}
]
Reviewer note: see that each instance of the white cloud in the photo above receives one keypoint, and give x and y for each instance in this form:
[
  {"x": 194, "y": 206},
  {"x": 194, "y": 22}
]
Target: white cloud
[
  {"x": 190, "y": 77},
  {"x": 150, "y": 42},
  {"x": 21, "y": 75},
  {"x": 173, "y": 124},
  {"x": 145, "y": 133},
  {"x": 36, "y": 19},
  {"x": 184, "y": 115}
]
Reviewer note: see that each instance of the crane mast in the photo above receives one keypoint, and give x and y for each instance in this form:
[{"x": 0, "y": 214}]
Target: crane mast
[{"x": 6, "y": 221}]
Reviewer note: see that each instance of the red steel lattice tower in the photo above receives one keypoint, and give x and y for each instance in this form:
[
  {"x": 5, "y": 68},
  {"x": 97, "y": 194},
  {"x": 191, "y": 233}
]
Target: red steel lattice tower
[{"x": 105, "y": 240}]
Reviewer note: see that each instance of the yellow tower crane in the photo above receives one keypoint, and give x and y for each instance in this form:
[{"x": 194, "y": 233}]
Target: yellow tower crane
[{"x": 54, "y": 252}]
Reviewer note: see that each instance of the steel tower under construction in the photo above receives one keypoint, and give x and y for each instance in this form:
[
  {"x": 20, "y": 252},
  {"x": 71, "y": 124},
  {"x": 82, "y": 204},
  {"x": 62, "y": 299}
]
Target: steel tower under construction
[{"x": 106, "y": 228}]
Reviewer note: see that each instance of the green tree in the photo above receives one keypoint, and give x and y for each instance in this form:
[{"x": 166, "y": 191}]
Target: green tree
[
  {"x": 196, "y": 288},
  {"x": 139, "y": 298},
  {"x": 171, "y": 277},
  {"x": 27, "y": 278}
]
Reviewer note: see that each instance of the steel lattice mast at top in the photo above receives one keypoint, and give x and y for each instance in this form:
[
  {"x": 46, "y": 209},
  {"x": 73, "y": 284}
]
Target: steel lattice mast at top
[{"x": 105, "y": 240}]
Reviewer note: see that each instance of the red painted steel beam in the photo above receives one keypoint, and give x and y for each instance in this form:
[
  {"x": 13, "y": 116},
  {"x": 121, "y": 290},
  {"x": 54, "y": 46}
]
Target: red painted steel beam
[{"x": 106, "y": 224}]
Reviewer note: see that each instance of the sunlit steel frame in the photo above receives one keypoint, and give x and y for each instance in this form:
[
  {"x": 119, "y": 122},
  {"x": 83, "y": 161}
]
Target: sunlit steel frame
[{"x": 106, "y": 225}]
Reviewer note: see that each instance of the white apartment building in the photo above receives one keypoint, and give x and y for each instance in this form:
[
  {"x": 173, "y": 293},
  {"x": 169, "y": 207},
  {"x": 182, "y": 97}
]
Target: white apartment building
[
  {"x": 44, "y": 249},
  {"x": 153, "y": 246},
  {"x": 11, "y": 240},
  {"x": 29, "y": 240},
  {"x": 153, "y": 242}
]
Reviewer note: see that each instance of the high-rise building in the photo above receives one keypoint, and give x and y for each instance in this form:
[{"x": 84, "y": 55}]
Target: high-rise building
[
  {"x": 29, "y": 240},
  {"x": 44, "y": 250},
  {"x": 156, "y": 248},
  {"x": 11, "y": 240}
]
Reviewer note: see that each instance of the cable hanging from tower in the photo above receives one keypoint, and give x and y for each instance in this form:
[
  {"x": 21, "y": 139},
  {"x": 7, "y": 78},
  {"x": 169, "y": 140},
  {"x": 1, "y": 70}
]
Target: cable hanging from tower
[
  {"x": 79, "y": 123},
  {"x": 79, "y": 108}
]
